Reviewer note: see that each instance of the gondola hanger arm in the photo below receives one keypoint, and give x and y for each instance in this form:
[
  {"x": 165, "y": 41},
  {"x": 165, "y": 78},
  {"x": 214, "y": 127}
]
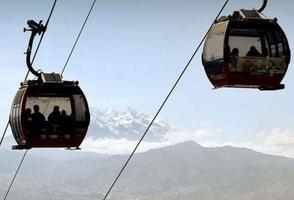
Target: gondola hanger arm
[
  {"x": 264, "y": 3},
  {"x": 35, "y": 28}
]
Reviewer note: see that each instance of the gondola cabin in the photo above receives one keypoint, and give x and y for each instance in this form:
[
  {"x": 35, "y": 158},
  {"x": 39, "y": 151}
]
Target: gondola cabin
[
  {"x": 49, "y": 113},
  {"x": 246, "y": 51}
]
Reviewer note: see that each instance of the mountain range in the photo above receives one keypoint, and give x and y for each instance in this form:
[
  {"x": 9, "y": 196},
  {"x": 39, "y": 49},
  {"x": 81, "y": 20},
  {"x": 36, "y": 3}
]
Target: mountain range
[
  {"x": 125, "y": 123},
  {"x": 186, "y": 171}
]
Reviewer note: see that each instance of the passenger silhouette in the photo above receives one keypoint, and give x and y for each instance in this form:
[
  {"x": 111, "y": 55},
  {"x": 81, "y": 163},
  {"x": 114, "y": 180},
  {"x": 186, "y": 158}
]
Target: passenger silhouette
[
  {"x": 55, "y": 116},
  {"x": 27, "y": 115},
  {"x": 234, "y": 57},
  {"x": 253, "y": 52},
  {"x": 66, "y": 122},
  {"x": 64, "y": 116},
  {"x": 235, "y": 52},
  {"x": 55, "y": 119},
  {"x": 37, "y": 123}
]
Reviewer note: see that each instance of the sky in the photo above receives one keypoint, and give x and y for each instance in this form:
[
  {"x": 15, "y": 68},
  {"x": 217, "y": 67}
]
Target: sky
[{"x": 130, "y": 54}]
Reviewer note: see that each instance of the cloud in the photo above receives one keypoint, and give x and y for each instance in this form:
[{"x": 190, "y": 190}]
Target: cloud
[
  {"x": 276, "y": 141},
  {"x": 118, "y": 146},
  {"x": 125, "y": 146}
]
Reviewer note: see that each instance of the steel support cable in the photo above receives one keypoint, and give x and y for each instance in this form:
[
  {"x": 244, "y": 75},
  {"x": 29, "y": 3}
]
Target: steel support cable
[
  {"x": 14, "y": 177},
  {"x": 26, "y": 76},
  {"x": 40, "y": 44},
  {"x": 20, "y": 164},
  {"x": 78, "y": 37},
  {"x": 5, "y": 130},
  {"x": 162, "y": 105},
  {"x": 43, "y": 33},
  {"x": 91, "y": 8},
  {"x": 37, "y": 49}
]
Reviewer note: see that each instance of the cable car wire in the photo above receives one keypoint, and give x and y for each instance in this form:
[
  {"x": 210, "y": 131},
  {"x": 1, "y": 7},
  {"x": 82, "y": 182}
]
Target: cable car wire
[
  {"x": 4, "y": 133},
  {"x": 14, "y": 177},
  {"x": 37, "y": 49},
  {"x": 24, "y": 156},
  {"x": 26, "y": 76},
  {"x": 42, "y": 36},
  {"x": 162, "y": 105},
  {"x": 78, "y": 37}
]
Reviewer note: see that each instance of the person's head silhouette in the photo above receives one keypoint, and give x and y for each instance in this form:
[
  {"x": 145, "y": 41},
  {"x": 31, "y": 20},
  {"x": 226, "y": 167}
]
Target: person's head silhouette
[
  {"x": 63, "y": 112},
  {"x": 28, "y": 111},
  {"x": 56, "y": 109},
  {"x": 235, "y": 52},
  {"x": 253, "y": 49},
  {"x": 36, "y": 108}
]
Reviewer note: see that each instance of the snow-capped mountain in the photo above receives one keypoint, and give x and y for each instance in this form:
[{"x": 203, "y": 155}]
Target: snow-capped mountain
[{"x": 125, "y": 123}]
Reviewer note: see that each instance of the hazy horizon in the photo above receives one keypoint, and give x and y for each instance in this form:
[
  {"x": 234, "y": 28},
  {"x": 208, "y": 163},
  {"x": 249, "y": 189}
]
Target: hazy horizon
[{"x": 131, "y": 52}]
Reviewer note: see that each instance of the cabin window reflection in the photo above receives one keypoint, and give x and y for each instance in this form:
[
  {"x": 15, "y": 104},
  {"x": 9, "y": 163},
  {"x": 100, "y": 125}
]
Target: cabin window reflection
[
  {"x": 280, "y": 44},
  {"x": 272, "y": 44},
  {"x": 80, "y": 107},
  {"x": 214, "y": 47},
  {"x": 214, "y": 44}
]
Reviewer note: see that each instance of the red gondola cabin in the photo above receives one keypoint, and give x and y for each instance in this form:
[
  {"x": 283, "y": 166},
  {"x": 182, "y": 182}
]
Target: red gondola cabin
[
  {"x": 246, "y": 51},
  {"x": 49, "y": 113}
]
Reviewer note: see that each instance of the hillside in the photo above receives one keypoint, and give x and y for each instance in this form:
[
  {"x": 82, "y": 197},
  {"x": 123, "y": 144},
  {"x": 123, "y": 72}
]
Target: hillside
[{"x": 183, "y": 171}]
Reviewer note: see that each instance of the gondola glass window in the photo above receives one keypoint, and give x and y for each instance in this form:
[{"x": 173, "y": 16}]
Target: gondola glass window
[
  {"x": 81, "y": 109},
  {"x": 214, "y": 51},
  {"x": 215, "y": 44},
  {"x": 47, "y": 115},
  {"x": 46, "y": 105},
  {"x": 243, "y": 44},
  {"x": 250, "y": 52}
]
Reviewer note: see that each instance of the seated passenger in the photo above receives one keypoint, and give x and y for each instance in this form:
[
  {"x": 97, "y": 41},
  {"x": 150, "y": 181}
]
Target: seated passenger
[
  {"x": 253, "y": 52},
  {"x": 66, "y": 121},
  {"x": 234, "y": 57},
  {"x": 27, "y": 115},
  {"x": 54, "y": 119},
  {"x": 37, "y": 123},
  {"x": 64, "y": 116},
  {"x": 235, "y": 52},
  {"x": 55, "y": 116}
]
